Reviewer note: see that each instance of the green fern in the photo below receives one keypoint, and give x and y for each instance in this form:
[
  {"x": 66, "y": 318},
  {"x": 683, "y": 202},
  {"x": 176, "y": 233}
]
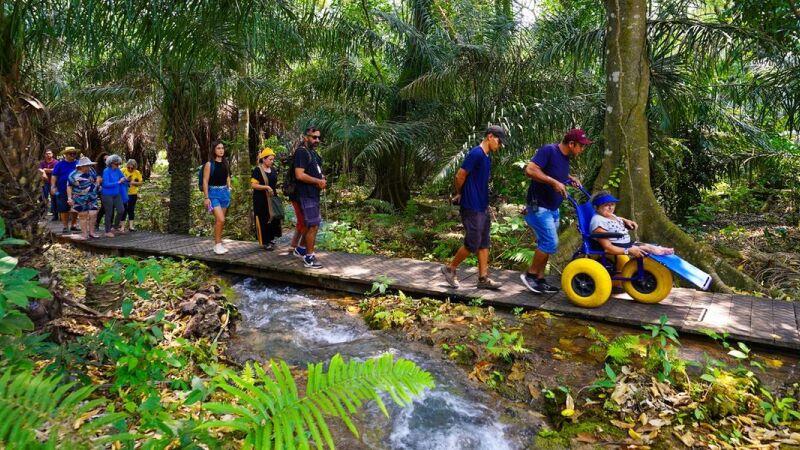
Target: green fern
[
  {"x": 271, "y": 413},
  {"x": 40, "y": 412}
]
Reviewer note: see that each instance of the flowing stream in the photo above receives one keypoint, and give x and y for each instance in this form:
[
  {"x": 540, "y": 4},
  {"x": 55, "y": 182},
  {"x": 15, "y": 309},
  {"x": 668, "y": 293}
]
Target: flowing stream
[{"x": 299, "y": 327}]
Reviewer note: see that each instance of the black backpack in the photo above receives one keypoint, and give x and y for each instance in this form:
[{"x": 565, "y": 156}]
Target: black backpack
[
  {"x": 289, "y": 186},
  {"x": 200, "y": 174}
]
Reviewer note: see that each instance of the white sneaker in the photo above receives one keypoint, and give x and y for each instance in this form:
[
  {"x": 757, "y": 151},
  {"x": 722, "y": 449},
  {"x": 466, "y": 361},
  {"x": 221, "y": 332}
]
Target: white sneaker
[{"x": 220, "y": 249}]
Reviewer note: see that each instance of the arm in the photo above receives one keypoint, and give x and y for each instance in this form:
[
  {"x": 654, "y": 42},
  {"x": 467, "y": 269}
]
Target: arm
[
  {"x": 461, "y": 177},
  {"x": 206, "y": 176},
  {"x": 534, "y": 172},
  {"x": 69, "y": 194},
  {"x": 257, "y": 186},
  {"x": 136, "y": 183},
  {"x": 302, "y": 176},
  {"x": 629, "y": 224},
  {"x": 612, "y": 249}
]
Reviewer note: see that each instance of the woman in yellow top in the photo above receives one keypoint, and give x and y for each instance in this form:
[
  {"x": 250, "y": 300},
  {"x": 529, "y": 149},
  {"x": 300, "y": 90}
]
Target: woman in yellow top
[
  {"x": 264, "y": 182},
  {"x": 135, "y": 179}
]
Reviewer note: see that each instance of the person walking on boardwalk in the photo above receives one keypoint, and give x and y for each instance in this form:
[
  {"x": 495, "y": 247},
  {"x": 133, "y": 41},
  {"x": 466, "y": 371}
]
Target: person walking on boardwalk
[
  {"x": 82, "y": 196},
  {"x": 135, "y": 180},
  {"x": 309, "y": 184},
  {"x": 46, "y": 169},
  {"x": 548, "y": 170},
  {"x": 264, "y": 181},
  {"x": 217, "y": 190},
  {"x": 100, "y": 167},
  {"x": 472, "y": 194},
  {"x": 58, "y": 186},
  {"x": 111, "y": 195}
]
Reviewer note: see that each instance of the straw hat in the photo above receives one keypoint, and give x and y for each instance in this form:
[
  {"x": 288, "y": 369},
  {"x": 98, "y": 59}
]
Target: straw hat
[
  {"x": 84, "y": 161},
  {"x": 69, "y": 150}
]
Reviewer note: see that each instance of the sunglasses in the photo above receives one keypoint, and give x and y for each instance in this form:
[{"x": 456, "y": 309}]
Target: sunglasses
[{"x": 316, "y": 138}]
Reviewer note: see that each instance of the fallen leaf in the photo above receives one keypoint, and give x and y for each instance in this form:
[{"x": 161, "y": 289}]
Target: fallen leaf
[
  {"x": 643, "y": 419},
  {"x": 568, "y": 412},
  {"x": 570, "y": 403},
  {"x": 586, "y": 437},
  {"x": 621, "y": 424},
  {"x": 686, "y": 438},
  {"x": 633, "y": 434},
  {"x": 774, "y": 363},
  {"x": 535, "y": 392},
  {"x": 517, "y": 372}
]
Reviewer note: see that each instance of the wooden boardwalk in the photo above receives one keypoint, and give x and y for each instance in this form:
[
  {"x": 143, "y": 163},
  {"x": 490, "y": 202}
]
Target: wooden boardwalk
[{"x": 769, "y": 322}]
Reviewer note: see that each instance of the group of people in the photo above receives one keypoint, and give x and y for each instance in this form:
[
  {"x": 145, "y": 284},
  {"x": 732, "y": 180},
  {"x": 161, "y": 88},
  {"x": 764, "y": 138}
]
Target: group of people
[
  {"x": 81, "y": 193},
  {"x": 549, "y": 172},
  {"x": 304, "y": 185}
]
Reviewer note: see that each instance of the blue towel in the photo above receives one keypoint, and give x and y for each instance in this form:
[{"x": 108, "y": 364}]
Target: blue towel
[{"x": 687, "y": 271}]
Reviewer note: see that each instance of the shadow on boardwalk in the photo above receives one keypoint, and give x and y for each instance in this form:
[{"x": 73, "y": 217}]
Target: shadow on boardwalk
[{"x": 764, "y": 321}]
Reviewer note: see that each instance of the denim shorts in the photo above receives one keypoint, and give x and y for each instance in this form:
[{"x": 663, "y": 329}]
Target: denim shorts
[
  {"x": 220, "y": 196},
  {"x": 476, "y": 229},
  {"x": 545, "y": 225},
  {"x": 312, "y": 216}
]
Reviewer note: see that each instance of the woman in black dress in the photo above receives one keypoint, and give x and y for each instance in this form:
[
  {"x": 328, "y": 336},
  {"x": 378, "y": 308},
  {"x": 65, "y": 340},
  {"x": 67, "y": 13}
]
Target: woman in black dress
[{"x": 266, "y": 230}]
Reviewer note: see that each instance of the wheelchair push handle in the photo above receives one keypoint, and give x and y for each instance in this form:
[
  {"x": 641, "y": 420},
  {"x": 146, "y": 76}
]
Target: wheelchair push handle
[{"x": 569, "y": 182}]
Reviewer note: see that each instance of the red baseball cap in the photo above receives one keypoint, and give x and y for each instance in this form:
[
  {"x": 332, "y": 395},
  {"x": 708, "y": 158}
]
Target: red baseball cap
[{"x": 577, "y": 135}]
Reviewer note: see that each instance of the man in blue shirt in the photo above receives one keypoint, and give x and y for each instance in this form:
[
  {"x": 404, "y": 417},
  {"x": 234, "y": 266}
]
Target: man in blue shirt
[
  {"x": 472, "y": 193},
  {"x": 58, "y": 186},
  {"x": 548, "y": 171}
]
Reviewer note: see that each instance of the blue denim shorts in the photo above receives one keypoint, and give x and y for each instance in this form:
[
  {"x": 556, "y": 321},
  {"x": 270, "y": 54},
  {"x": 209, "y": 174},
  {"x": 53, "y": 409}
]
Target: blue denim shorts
[
  {"x": 220, "y": 196},
  {"x": 545, "y": 225}
]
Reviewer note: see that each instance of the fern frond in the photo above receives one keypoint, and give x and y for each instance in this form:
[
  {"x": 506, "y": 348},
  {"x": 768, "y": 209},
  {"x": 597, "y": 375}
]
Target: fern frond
[
  {"x": 271, "y": 412},
  {"x": 40, "y": 412}
]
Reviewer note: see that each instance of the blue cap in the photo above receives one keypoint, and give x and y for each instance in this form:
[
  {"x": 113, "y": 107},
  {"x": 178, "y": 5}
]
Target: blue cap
[{"x": 603, "y": 199}]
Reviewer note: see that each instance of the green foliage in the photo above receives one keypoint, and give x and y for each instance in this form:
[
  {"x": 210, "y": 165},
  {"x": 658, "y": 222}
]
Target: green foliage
[
  {"x": 778, "y": 410},
  {"x": 621, "y": 349},
  {"x": 503, "y": 344},
  {"x": 18, "y": 286},
  {"x": 41, "y": 412},
  {"x": 609, "y": 382},
  {"x": 379, "y": 206},
  {"x": 342, "y": 237},
  {"x": 380, "y": 285},
  {"x": 658, "y": 351},
  {"x": 270, "y": 411}
]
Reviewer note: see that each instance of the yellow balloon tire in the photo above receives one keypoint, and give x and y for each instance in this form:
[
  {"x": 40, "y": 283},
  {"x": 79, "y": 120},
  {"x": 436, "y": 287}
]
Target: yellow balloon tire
[
  {"x": 619, "y": 264},
  {"x": 655, "y": 287},
  {"x": 586, "y": 283}
]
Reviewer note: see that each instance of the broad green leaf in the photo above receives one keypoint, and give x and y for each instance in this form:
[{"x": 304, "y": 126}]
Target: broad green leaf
[
  {"x": 127, "y": 307},
  {"x": 7, "y": 264}
]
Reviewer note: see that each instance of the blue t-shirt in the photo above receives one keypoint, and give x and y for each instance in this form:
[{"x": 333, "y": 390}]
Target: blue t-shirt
[
  {"x": 555, "y": 165},
  {"x": 475, "y": 191},
  {"x": 111, "y": 179},
  {"x": 312, "y": 163},
  {"x": 61, "y": 171}
]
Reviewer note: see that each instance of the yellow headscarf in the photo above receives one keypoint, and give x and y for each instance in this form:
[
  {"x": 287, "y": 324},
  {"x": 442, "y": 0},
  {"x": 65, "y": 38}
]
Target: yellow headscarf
[{"x": 266, "y": 151}]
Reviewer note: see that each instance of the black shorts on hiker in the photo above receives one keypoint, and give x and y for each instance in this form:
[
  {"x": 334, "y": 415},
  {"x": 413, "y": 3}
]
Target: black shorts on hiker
[
  {"x": 476, "y": 229},
  {"x": 312, "y": 216},
  {"x": 62, "y": 206}
]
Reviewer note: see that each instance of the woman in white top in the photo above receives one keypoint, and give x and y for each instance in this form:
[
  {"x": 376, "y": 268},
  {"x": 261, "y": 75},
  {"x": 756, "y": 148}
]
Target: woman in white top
[{"x": 606, "y": 222}]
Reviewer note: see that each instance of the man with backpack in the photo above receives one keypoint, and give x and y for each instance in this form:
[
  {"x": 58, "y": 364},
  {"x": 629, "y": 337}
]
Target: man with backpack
[{"x": 304, "y": 184}]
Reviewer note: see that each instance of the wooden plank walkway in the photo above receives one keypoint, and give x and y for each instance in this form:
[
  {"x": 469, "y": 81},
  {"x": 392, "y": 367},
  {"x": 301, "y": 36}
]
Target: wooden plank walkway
[{"x": 769, "y": 322}]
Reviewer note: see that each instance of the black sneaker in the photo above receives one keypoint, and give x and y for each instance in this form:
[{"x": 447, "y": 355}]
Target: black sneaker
[
  {"x": 74, "y": 228},
  {"x": 530, "y": 282},
  {"x": 546, "y": 288},
  {"x": 310, "y": 261},
  {"x": 65, "y": 231}
]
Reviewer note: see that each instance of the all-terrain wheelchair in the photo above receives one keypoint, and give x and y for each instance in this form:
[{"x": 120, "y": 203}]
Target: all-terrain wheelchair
[{"x": 588, "y": 279}]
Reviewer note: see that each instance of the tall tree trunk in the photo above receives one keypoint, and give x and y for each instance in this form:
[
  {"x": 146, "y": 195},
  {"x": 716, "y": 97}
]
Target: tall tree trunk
[
  {"x": 20, "y": 182},
  {"x": 626, "y": 136},
  {"x": 180, "y": 147}
]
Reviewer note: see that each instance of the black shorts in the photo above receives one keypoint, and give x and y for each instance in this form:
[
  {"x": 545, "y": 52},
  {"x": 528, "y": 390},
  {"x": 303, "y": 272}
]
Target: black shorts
[
  {"x": 61, "y": 203},
  {"x": 476, "y": 229}
]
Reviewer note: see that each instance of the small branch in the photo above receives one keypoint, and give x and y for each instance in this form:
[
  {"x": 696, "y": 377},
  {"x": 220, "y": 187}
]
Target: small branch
[{"x": 81, "y": 306}]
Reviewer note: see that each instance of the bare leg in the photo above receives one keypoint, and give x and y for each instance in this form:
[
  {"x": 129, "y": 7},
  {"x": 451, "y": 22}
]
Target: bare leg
[
  {"x": 219, "y": 223},
  {"x": 656, "y": 249},
  {"x": 299, "y": 239},
  {"x": 74, "y": 218},
  {"x": 64, "y": 219},
  {"x": 483, "y": 262},
  {"x": 538, "y": 264},
  {"x": 310, "y": 238},
  {"x": 459, "y": 257},
  {"x": 92, "y": 222}
]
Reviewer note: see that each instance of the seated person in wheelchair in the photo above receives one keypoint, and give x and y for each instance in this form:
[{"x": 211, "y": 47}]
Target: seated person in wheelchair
[{"x": 604, "y": 221}]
